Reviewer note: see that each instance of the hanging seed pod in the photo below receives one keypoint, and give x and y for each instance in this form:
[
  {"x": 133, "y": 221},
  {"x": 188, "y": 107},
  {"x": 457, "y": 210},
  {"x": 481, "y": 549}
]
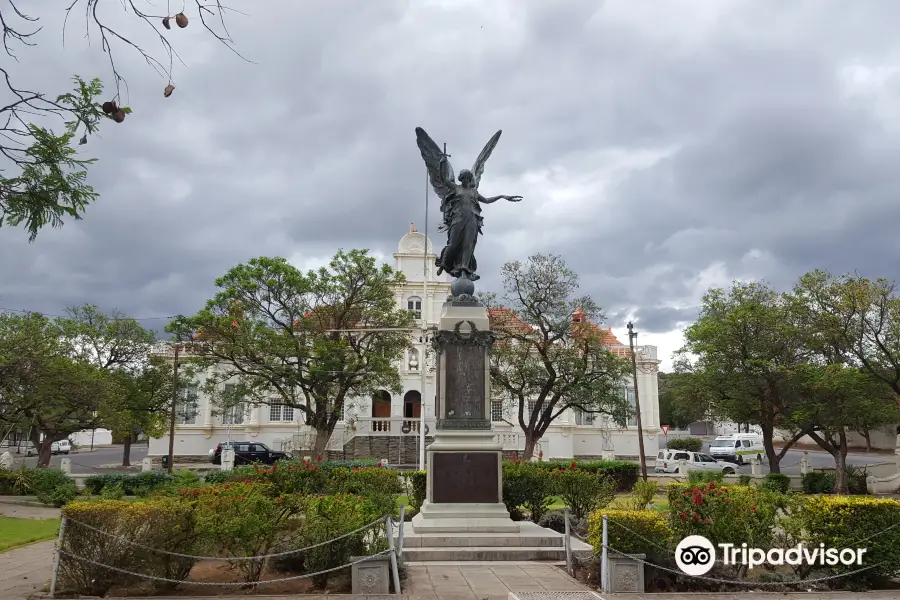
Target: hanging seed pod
[
  {"x": 181, "y": 20},
  {"x": 119, "y": 116},
  {"x": 109, "y": 107},
  {"x": 83, "y": 140},
  {"x": 168, "y": 91},
  {"x": 166, "y": 22}
]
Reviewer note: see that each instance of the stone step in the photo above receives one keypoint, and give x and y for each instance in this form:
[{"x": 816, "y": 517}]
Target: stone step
[
  {"x": 481, "y": 540},
  {"x": 484, "y": 553}
]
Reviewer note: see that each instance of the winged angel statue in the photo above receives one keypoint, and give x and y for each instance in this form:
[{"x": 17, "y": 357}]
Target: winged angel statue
[{"x": 461, "y": 207}]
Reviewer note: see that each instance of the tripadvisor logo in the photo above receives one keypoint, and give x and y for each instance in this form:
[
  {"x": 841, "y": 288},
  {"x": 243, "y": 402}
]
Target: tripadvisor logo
[{"x": 696, "y": 555}]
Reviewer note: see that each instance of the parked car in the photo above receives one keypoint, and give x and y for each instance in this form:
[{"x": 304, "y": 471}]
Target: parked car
[
  {"x": 61, "y": 447},
  {"x": 667, "y": 461},
  {"x": 26, "y": 448},
  {"x": 737, "y": 447},
  {"x": 246, "y": 453}
]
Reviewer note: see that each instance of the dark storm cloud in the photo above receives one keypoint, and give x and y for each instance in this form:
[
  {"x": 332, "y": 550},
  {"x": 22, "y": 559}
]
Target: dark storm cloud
[{"x": 661, "y": 148}]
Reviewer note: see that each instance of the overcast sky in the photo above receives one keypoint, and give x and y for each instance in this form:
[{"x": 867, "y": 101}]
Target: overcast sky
[{"x": 661, "y": 147}]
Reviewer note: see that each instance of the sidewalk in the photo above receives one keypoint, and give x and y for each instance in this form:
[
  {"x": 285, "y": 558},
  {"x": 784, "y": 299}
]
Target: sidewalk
[{"x": 26, "y": 570}]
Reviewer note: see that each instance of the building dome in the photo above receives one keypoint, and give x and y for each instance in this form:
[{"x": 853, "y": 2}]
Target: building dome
[{"x": 414, "y": 242}]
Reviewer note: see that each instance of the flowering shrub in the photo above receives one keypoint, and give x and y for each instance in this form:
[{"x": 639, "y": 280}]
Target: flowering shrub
[
  {"x": 166, "y": 524},
  {"x": 242, "y": 519},
  {"x": 723, "y": 514}
]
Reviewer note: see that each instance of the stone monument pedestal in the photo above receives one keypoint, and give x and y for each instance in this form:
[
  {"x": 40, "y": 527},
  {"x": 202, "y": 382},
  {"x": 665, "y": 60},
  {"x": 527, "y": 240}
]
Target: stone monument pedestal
[
  {"x": 463, "y": 517},
  {"x": 464, "y": 491}
]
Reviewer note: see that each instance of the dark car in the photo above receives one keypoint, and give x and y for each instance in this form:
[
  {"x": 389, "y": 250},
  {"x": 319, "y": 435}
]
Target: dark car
[{"x": 246, "y": 453}]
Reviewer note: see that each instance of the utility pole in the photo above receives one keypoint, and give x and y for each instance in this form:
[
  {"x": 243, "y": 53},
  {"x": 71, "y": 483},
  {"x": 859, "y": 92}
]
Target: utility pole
[
  {"x": 632, "y": 336},
  {"x": 174, "y": 408}
]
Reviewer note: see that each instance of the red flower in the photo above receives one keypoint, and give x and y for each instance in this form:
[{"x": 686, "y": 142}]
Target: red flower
[
  {"x": 246, "y": 481},
  {"x": 727, "y": 500},
  {"x": 724, "y": 489},
  {"x": 696, "y": 490},
  {"x": 356, "y": 468},
  {"x": 379, "y": 463},
  {"x": 319, "y": 458},
  {"x": 572, "y": 465},
  {"x": 362, "y": 497},
  {"x": 696, "y": 517},
  {"x": 698, "y": 499},
  {"x": 753, "y": 507},
  {"x": 712, "y": 485},
  {"x": 315, "y": 468}
]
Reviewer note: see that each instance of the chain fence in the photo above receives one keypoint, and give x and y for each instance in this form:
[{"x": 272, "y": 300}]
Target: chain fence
[
  {"x": 386, "y": 522},
  {"x": 669, "y": 552}
]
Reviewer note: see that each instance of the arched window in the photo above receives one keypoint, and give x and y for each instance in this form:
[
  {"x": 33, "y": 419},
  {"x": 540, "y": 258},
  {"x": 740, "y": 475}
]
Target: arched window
[{"x": 414, "y": 304}]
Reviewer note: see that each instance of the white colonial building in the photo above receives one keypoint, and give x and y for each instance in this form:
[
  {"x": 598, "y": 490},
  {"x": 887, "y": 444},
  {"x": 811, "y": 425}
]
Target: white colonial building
[{"x": 387, "y": 425}]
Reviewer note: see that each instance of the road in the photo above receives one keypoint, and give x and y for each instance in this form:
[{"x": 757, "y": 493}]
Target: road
[
  {"x": 87, "y": 461},
  {"x": 790, "y": 464}
]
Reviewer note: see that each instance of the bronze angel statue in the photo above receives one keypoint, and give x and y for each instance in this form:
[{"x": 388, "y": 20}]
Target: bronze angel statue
[{"x": 460, "y": 205}]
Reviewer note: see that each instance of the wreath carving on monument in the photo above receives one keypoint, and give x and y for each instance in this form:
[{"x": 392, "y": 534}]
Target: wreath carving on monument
[{"x": 474, "y": 337}]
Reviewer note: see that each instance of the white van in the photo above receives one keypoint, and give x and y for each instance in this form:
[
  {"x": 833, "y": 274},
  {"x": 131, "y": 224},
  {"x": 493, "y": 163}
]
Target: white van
[{"x": 737, "y": 447}]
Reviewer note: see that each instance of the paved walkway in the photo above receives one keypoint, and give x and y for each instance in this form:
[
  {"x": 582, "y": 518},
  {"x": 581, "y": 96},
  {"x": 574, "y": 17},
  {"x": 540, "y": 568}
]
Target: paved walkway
[
  {"x": 484, "y": 581},
  {"x": 25, "y": 570}
]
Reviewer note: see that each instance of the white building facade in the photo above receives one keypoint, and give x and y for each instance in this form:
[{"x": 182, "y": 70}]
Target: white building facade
[{"x": 388, "y": 425}]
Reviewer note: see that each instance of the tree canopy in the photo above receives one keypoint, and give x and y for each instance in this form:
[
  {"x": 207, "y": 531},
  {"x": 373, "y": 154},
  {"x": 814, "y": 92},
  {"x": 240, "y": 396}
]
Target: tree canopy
[
  {"x": 43, "y": 177},
  {"x": 310, "y": 341},
  {"x": 550, "y": 354}
]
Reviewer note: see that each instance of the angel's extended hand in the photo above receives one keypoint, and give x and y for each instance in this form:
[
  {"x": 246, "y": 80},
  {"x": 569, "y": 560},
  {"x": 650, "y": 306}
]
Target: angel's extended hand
[{"x": 513, "y": 198}]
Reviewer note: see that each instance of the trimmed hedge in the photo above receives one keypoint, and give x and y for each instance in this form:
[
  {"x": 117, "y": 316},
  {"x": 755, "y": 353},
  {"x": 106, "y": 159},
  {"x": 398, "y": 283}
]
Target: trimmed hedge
[
  {"x": 777, "y": 482},
  {"x": 650, "y": 525},
  {"x": 689, "y": 444},
  {"x": 623, "y": 473},
  {"x": 164, "y": 524},
  {"x": 845, "y": 521}
]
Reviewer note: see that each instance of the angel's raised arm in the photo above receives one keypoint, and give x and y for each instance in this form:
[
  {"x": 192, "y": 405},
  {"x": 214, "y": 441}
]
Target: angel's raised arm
[{"x": 439, "y": 169}]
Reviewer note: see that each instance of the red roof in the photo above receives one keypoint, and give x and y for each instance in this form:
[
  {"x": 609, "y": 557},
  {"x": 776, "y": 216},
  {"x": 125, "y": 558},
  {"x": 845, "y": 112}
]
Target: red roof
[{"x": 506, "y": 319}]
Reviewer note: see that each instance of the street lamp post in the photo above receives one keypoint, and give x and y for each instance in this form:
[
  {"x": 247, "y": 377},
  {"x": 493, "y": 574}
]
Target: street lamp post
[{"x": 632, "y": 336}]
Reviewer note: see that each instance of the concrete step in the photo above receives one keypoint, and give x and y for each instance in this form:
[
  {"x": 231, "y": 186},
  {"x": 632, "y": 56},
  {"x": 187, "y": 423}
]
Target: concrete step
[
  {"x": 483, "y": 553},
  {"x": 482, "y": 540}
]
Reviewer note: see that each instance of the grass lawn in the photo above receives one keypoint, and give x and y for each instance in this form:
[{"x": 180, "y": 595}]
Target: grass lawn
[{"x": 19, "y": 532}]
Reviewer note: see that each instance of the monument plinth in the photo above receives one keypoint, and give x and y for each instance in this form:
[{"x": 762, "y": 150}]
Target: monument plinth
[{"x": 464, "y": 491}]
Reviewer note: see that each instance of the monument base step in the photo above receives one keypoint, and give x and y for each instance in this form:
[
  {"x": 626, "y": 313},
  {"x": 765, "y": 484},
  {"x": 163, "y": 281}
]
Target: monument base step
[{"x": 530, "y": 543}]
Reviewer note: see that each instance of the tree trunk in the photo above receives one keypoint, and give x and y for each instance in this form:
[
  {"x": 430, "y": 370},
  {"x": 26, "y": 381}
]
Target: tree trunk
[
  {"x": 45, "y": 453},
  {"x": 841, "y": 481},
  {"x": 868, "y": 437},
  {"x": 321, "y": 442},
  {"x": 768, "y": 436},
  {"x": 126, "y": 451},
  {"x": 530, "y": 442}
]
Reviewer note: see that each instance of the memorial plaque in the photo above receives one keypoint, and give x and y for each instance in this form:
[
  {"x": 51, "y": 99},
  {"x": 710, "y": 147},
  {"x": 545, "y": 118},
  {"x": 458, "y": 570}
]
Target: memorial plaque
[
  {"x": 465, "y": 477},
  {"x": 465, "y": 383}
]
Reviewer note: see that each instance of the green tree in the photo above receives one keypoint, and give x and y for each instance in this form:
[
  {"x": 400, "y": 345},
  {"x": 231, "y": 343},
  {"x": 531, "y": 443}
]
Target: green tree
[
  {"x": 679, "y": 403},
  {"x": 306, "y": 340},
  {"x": 119, "y": 344},
  {"x": 550, "y": 355},
  {"x": 838, "y": 398},
  {"x": 43, "y": 179},
  {"x": 44, "y": 390},
  {"x": 740, "y": 357}
]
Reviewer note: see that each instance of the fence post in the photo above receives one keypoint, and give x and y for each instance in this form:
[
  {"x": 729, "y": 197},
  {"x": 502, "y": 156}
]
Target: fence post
[
  {"x": 389, "y": 529},
  {"x": 400, "y": 530},
  {"x": 568, "y": 542},
  {"x": 604, "y": 566},
  {"x": 56, "y": 556}
]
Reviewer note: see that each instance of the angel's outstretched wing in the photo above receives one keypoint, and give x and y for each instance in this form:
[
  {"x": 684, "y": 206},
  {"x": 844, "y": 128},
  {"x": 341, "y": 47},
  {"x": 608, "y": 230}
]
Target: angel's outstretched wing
[
  {"x": 439, "y": 169},
  {"x": 478, "y": 167}
]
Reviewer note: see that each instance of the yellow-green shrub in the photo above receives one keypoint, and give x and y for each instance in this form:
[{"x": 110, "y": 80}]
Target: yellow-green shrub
[
  {"x": 167, "y": 524},
  {"x": 651, "y": 525},
  {"x": 844, "y": 521}
]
